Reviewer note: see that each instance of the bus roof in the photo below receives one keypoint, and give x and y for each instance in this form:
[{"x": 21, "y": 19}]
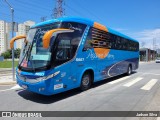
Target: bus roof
[{"x": 83, "y": 21}]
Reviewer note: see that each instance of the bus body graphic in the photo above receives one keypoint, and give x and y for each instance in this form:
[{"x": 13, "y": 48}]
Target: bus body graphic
[{"x": 77, "y": 53}]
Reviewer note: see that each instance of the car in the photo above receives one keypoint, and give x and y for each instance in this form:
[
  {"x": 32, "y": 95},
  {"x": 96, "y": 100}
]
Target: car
[{"x": 157, "y": 60}]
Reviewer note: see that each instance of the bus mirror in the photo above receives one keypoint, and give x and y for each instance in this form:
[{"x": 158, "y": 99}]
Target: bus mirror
[
  {"x": 16, "y": 38},
  {"x": 47, "y": 36}
]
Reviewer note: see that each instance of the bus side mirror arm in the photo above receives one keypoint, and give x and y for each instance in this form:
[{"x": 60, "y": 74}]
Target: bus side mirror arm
[
  {"x": 47, "y": 36},
  {"x": 16, "y": 38}
]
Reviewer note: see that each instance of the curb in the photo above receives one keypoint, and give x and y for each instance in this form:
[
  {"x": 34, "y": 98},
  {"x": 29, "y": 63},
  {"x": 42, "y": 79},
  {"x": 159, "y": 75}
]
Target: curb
[
  {"x": 147, "y": 62},
  {"x": 8, "y": 83}
]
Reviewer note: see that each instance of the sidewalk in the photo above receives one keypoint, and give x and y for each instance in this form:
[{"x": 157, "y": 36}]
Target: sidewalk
[
  {"x": 5, "y": 69},
  {"x": 141, "y": 62},
  {"x": 7, "y": 80},
  {"x": 6, "y": 77}
]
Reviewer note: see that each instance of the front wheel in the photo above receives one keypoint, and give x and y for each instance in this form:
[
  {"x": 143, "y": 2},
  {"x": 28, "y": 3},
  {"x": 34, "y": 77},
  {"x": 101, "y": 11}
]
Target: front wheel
[{"x": 86, "y": 82}]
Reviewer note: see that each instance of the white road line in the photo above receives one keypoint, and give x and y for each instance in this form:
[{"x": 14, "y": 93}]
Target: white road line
[
  {"x": 158, "y": 118},
  {"x": 149, "y": 73},
  {"x": 133, "y": 82},
  {"x": 16, "y": 87},
  {"x": 119, "y": 80},
  {"x": 149, "y": 85}
]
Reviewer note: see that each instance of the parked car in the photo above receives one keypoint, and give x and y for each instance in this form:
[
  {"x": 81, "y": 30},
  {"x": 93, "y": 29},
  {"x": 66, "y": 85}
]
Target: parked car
[{"x": 158, "y": 60}]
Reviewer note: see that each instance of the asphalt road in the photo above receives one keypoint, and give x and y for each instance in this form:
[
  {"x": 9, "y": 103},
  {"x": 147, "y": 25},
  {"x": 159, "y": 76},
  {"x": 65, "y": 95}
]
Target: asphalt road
[{"x": 137, "y": 92}]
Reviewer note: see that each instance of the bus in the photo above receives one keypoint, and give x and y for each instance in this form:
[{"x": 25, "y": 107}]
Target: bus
[{"x": 70, "y": 52}]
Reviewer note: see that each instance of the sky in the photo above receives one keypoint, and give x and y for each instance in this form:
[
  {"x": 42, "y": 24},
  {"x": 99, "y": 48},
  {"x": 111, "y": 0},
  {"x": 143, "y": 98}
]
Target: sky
[{"x": 139, "y": 19}]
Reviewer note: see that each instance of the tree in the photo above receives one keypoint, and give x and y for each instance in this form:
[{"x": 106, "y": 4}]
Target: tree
[
  {"x": 8, "y": 53},
  {"x": 17, "y": 53}
]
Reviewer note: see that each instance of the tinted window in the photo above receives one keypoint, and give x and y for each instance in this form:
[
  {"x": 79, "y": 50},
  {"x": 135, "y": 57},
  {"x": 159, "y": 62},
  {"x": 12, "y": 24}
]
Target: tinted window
[
  {"x": 121, "y": 43},
  {"x": 97, "y": 39},
  {"x": 88, "y": 43},
  {"x": 100, "y": 39},
  {"x": 66, "y": 44}
]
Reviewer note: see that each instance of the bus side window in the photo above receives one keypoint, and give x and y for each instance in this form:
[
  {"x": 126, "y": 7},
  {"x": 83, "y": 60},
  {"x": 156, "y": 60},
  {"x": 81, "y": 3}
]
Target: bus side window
[{"x": 88, "y": 42}]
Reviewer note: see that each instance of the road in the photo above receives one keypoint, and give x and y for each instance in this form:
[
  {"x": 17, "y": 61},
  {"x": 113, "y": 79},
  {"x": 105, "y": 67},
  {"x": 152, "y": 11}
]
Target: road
[{"x": 137, "y": 92}]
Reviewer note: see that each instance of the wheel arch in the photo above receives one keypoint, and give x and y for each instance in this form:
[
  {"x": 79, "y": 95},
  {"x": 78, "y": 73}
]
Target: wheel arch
[{"x": 90, "y": 70}]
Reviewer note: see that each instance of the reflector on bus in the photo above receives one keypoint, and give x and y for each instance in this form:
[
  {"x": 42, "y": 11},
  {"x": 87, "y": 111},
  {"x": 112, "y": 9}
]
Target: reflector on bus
[
  {"x": 16, "y": 38},
  {"x": 47, "y": 36}
]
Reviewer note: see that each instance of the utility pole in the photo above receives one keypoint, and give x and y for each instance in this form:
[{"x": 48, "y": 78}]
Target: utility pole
[
  {"x": 59, "y": 10},
  {"x": 12, "y": 21}
]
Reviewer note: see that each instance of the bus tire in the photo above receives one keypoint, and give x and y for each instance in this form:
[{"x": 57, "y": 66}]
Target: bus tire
[
  {"x": 86, "y": 81},
  {"x": 129, "y": 70}
]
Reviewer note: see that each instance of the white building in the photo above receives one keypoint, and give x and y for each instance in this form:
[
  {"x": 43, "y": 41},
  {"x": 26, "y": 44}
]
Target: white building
[
  {"x": 23, "y": 29},
  {"x": 4, "y": 36}
]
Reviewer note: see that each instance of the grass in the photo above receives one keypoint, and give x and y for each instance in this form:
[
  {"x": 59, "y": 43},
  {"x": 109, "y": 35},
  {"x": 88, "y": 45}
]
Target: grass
[{"x": 7, "y": 64}]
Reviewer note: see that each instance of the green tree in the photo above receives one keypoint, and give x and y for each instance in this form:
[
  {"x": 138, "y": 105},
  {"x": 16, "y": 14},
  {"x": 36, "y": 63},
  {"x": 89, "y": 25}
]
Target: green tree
[
  {"x": 6, "y": 55},
  {"x": 17, "y": 53}
]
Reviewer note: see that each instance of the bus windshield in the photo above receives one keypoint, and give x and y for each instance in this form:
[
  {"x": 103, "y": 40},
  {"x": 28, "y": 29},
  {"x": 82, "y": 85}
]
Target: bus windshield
[{"x": 34, "y": 57}]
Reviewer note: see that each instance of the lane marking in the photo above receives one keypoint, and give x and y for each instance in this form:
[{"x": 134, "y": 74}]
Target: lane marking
[
  {"x": 149, "y": 73},
  {"x": 158, "y": 118},
  {"x": 16, "y": 87},
  {"x": 133, "y": 82},
  {"x": 149, "y": 85},
  {"x": 119, "y": 80}
]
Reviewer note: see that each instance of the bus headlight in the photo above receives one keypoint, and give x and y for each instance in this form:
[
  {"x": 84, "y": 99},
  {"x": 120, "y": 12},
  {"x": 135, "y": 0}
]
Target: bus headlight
[{"x": 47, "y": 77}]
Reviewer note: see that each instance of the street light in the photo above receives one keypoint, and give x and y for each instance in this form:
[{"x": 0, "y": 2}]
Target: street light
[{"x": 12, "y": 16}]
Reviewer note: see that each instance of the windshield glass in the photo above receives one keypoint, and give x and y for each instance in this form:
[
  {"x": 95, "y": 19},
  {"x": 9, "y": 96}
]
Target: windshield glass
[
  {"x": 33, "y": 55},
  {"x": 62, "y": 47}
]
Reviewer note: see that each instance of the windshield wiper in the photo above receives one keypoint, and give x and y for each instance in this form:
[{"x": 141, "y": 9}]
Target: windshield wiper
[
  {"x": 23, "y": 58},
  {"x": 27, "y": 54}
]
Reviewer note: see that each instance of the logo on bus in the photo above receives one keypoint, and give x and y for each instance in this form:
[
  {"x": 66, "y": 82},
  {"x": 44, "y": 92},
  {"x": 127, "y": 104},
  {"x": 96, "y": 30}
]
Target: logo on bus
[
  {"x": 39, "y": 74},
  {"x": 79, "y": 59}
]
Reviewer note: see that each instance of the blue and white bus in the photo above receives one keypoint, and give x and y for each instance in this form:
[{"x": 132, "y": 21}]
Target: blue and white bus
[{"x": 67, "y": 53}]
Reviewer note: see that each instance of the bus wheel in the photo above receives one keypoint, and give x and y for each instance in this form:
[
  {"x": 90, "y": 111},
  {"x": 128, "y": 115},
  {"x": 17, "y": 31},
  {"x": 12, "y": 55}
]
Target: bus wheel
[
  {"x": 86, "y": 81},
  {"x": 129, "y": 71}
]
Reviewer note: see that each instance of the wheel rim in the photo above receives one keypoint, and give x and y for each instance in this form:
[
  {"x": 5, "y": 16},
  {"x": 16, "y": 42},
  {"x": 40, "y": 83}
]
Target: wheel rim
[
  {"x": 85, "y": 80},
  {"x": 129, "y": 70}
]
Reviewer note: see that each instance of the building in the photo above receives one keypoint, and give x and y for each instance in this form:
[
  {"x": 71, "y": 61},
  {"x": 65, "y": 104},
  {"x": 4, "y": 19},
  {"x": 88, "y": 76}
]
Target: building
[
  {"x": 147, "y": 54},
  {"x": 4, "y": 36},
  {"x": 23, "y": 29}
]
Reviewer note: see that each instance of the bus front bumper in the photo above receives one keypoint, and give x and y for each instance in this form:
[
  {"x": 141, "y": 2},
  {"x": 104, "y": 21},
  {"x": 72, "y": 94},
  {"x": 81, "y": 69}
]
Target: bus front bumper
[
  {"x": 40, "y": 88},
  {"x": 45, "y": 87}
]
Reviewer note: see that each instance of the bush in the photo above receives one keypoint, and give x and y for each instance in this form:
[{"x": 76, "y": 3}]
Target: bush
[{"x": 8, "y": 54}]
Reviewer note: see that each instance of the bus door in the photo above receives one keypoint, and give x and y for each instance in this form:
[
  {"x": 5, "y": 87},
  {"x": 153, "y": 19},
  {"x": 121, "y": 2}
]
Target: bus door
[{"x": 64, "y": 53}]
